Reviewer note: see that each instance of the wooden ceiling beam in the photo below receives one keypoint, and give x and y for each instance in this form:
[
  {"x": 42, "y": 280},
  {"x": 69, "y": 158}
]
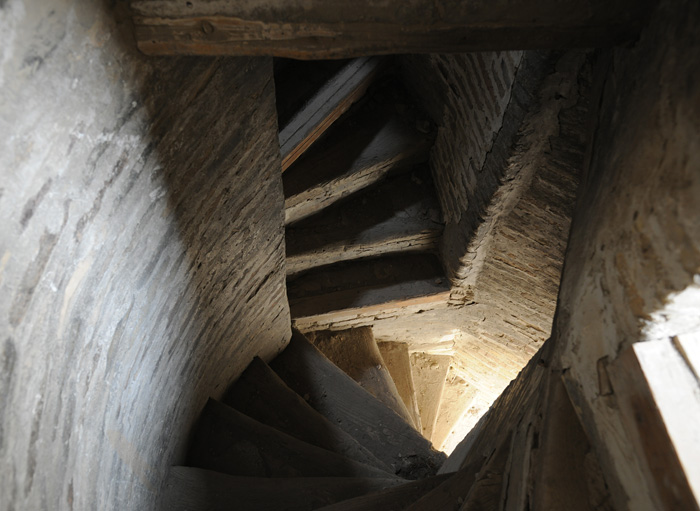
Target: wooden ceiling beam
[{"x": 327, "y": 29}]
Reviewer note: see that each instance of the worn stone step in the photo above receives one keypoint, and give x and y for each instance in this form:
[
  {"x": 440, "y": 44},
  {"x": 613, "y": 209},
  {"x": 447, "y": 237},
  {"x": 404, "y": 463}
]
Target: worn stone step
[
  {"x": 363, "y": 147},
  {"x": 195, "y": 489},
  {"x": 449, "y": 495},
  {"x": 321, "y": 106},
  {"x": 263, "y": 396},
  {"x": 398, "y": 362},
  {"x": 457, "y": 397},
  {"x": 228, "y": 441},
  {"x": 391, "y": 499},
  {"x": 401, "y": 214},
  {"x": 368, "y": 284},
  {"x": 355, "y": 352},
  {"x": 429, "y": 373},
  {"x": 342, "y": 401}
]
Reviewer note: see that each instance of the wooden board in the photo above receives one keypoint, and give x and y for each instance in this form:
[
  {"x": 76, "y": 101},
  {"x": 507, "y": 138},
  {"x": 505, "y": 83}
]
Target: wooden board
[
  {"x": 194, "y": 489},
  {"x": 399, "y": 215},
  {"x": 336, "y": 29},
  {"x": 355, "y": 352},
  {"x": 263, "y": 396},
  {"x": 331, "y": 100},
  {"x": 360, "y": 284},
  {"x": 362, "y": 148},
  {"x": 342, "y": 401},
  {"x": 229, "y": 442}
]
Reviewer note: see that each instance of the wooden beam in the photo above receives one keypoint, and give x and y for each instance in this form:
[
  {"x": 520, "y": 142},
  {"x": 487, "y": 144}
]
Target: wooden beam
[
  {"x": 323, "y": 29},
  {"x": 657, "y": 393}
]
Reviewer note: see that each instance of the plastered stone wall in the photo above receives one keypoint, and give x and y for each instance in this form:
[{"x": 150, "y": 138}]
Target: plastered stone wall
[
  {"x": 635, "y": 238},
  {"x": 141, "y": 251}
]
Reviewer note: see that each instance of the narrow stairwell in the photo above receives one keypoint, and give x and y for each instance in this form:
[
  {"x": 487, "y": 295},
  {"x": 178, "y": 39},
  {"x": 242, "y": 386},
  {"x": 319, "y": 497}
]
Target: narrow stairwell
[{"x": 363, "y": 222}]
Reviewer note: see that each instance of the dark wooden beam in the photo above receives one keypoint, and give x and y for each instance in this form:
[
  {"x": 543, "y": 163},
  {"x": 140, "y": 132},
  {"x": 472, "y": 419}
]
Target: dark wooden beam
[{"x": 326, "y": 29}]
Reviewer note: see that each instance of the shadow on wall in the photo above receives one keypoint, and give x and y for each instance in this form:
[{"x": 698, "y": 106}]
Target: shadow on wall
[{"x": 141, "y": 263}]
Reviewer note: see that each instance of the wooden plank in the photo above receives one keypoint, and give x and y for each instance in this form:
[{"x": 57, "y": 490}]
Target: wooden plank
[
  {"x": 362, "y": 148},
  {"x": 263, "y": 396},
  {"x": 355, "y": 352},
  {"x": 391, "y": 499},
  {"x": 342, "y": 401},
  {"x": 194, "y": 489},
  {"x": 227, "y": 441},
  {"x": 653, "y": 387},
  {"x": 335, "y": 29},
  {"x": 688, "y": 345},
  {"x": 332, "y": 100},
  {"x": 364, "y": 283},
  {"x": 399, "y": 215},
  {"x": 366, "y": 314},
  {"x": 429, "y": 373},
  {"x": 396, "y": 358}
]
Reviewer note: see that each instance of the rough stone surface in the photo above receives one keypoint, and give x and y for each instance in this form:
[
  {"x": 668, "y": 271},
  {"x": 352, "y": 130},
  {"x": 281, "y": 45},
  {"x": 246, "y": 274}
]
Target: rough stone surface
[
  {"x": 141, "y": 251},
  {"x": 635, "y": 238},
  {"x": 356, "y": 352}
]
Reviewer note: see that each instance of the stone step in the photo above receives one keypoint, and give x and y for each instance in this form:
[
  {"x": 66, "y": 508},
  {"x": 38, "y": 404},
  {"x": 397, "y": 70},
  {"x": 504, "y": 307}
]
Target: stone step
[
  {"x": 366, "y": 285},
  {"x": 356, "y": 353},
  {"x": 450, "y": 494},
  {"x": 263, "y": 396},
  {"x": 391, "y": 499},
  {"x": 195, "y": 489},
  {"x": 398, "y": 362},
  {"x": 457, "y": 397},
  {"x": 228, "y": 441},
  {"x": 401, "y": 214},
  {"x": 362, "y": 148},
  {"x": 342, "y": 401},
  {"x": 313, "y": 96},
  {"x": 429, "y": 373}
]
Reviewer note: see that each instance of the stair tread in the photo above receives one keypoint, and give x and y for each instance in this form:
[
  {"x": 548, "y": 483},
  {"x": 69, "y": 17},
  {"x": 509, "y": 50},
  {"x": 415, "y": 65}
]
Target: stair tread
[
  {"x": 449, "y": 494},
  {"x": 340, "y": 90},
  {"x": 429, "y": 374},
  {"x": 342, "y": 401},
  {"x": 195, "y": 489},
  {"x": 262, "y": 395},
  {"x": 355, "y": 352},
  {"x": 400, "y": 214},
  {"x": 365, "y": 283},
  {"x": 228, "y": 441},
  {"x": 362, "y": 148},
  {"x": 390, "y": 499},
  {"x": 398, "y": 362}
]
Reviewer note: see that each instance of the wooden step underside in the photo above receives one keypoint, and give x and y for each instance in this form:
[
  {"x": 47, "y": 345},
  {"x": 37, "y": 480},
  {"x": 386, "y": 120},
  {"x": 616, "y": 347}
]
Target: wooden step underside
[
  {"x": 402, "y": 214},
  {"x": 342, "y": 401},
  {"x": 361, "y": 149},
  {"x": 262, "y": 395},
  {"x": 382, "y": 283},
  {"x": 325, "y": 106}
]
